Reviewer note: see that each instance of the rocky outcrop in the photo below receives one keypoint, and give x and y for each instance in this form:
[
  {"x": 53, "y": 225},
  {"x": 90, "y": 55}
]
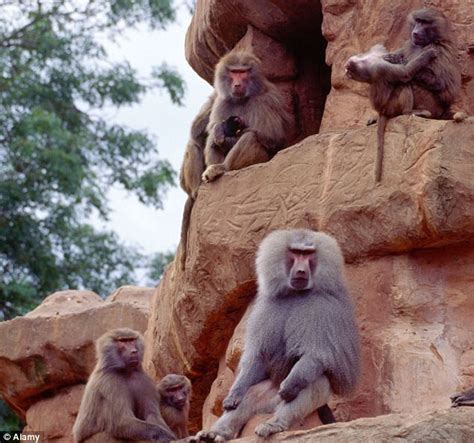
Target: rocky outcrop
[
  {"x": 455, "y": 425},
  {"x": 47, "y": 355},
  {"x": 408, "y": 243}
]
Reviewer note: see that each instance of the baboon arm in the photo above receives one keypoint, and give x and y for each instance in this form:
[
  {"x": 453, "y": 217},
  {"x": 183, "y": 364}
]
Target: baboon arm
[
  {"x": 429, "y": 80},
  {"x": 305, "y": 371},
  {"x": 406, "y": 73},
  {"x": 124, "y": 424},
  {"x": 200, "y": 122},
  {"x": 251, "y": 372}
]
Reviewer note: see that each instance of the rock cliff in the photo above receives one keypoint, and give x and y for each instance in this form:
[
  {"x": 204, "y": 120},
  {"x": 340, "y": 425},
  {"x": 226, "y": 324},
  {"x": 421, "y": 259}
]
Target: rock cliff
[{"x": 408, "y": 241}]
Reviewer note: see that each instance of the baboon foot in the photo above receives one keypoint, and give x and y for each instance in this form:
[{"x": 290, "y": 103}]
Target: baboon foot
[
  {"x": 212, "y": 172},
  {"x": 421, "y": 113},
  {"x": 207, "y": 437},
  {"x": 372, "y": 121},
  {"x": 268, "y": 428},
  {"x": 459, "y": 116}
]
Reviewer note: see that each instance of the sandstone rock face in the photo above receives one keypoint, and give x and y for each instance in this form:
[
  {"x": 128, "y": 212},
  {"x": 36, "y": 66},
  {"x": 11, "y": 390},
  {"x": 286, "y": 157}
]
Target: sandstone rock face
[
  {"x": 52, "y": 348},
  {"x": 408, "y": 242},
  {"x": 455, "y": 425}
]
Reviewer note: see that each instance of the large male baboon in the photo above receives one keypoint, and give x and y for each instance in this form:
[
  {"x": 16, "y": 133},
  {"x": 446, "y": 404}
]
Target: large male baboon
[
  {"x": 120, "y": 400},
  {"x": 302, "y": 341}
]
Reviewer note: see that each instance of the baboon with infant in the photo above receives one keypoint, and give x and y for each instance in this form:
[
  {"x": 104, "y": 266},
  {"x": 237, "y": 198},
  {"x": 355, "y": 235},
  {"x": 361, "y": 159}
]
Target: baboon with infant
[
  {"x": 302, "y": 341},
  {"x": 243, "y": 123},
  {"x": 120, "y": 401},
  {"x": 422, "y": 78}
]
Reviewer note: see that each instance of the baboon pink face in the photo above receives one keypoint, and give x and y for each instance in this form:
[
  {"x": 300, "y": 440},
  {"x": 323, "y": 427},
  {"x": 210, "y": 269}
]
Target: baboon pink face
[
  {"x": 239, "y": 80},
  {"x": 301, "y": 264},
  {"x": 128, "y": 351},
  {"x": 177, "y": 396}
]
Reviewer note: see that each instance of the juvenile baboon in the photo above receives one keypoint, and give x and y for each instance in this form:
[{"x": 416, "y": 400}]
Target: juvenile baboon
[
  {"x": 253, "y": 106},
  {"x": 465, "y": 398},
  {"x": 175, "y": 394},
  {"x": 302, "y": 342},
  {"x": 391, "y": 92},
  {"x": 192, "y": 168},
  {"x": 120, "y": 400}
]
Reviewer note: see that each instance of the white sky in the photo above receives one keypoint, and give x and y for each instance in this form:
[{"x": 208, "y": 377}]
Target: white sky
[{"x": 156, "y": 230}]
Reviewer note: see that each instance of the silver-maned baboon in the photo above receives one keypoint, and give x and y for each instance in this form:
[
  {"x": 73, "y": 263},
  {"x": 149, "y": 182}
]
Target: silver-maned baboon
[
  {"x": 465, "y": 398},
  {"x": 248, "y": 122},
  {"x": 175, "y": 395},
  {"x": 302, "y": 342},
  {"x": 120, "y": 400}
]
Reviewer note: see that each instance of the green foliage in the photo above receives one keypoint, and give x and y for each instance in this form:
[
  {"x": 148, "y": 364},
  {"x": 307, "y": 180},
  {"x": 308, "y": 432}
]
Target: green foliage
[
  {"x": 58, "y": 156},
  {"x": 157, "y": 266},
  {"x": 9, "y": 421}
]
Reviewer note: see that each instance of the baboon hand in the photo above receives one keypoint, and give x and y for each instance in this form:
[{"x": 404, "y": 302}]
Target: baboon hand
[
  {"x": 219, "y": 133},
  {"x": 395, "y": 59},
  {"x": 231, "y": 401},
  {"x": 289, "y": 391},
  {"x": 212, "y": 172}
]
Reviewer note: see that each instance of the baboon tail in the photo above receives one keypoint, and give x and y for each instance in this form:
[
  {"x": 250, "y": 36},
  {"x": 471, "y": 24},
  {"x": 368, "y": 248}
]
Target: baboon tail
[
  {"x": 188, "y": 207},
  {"x": 325, "y": 415},
  {"x": 380, "y": 147}
]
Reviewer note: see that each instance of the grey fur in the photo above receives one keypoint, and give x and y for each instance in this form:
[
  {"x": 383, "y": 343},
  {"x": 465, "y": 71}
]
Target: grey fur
[{"x": 300, "y": 339}]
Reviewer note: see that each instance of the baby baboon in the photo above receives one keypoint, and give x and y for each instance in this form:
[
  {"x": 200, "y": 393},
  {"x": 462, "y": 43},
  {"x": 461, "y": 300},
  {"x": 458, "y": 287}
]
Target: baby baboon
[
  {"x": 465, "y": 398},
  {"x": 120, "y": 400},
  {"x": 175, "y": 394},
  {"x": 253, "y": 106},
  {"x": 302, "y": 342}
]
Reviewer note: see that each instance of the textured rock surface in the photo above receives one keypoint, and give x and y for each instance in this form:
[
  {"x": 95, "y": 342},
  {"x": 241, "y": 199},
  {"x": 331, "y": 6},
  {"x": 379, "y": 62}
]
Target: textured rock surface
[
  {"x": 454, "y": 425},
  {"x": 55, "y": 416},
  {"x": 422, "y": 300},
  {"x": 408, "y": 242},
  {"x": 53, "y": 346}
]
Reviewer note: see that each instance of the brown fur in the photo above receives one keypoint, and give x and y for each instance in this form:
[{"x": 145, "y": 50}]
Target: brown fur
[
  {"x": 120, "y": 400},
  {"x": 421, "y": 78},
  {"x": 175, "y": 395},
  {"x": 391, "y": 91},
  {"x": 465, "y": 398},
  {"x": 192, "y": 168},
  {"x": 441, "y": 78},
  {"x": 262, "y": 112}
]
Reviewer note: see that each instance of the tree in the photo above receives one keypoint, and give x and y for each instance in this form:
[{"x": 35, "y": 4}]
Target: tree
[
  {"x": 58, "y": 157},
  {"x": 157, "y": 266}
]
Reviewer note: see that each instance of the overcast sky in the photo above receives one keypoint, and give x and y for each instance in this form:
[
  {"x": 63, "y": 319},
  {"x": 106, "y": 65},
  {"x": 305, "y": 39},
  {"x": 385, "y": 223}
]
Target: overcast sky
[{"x": 156, "y": 230}]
